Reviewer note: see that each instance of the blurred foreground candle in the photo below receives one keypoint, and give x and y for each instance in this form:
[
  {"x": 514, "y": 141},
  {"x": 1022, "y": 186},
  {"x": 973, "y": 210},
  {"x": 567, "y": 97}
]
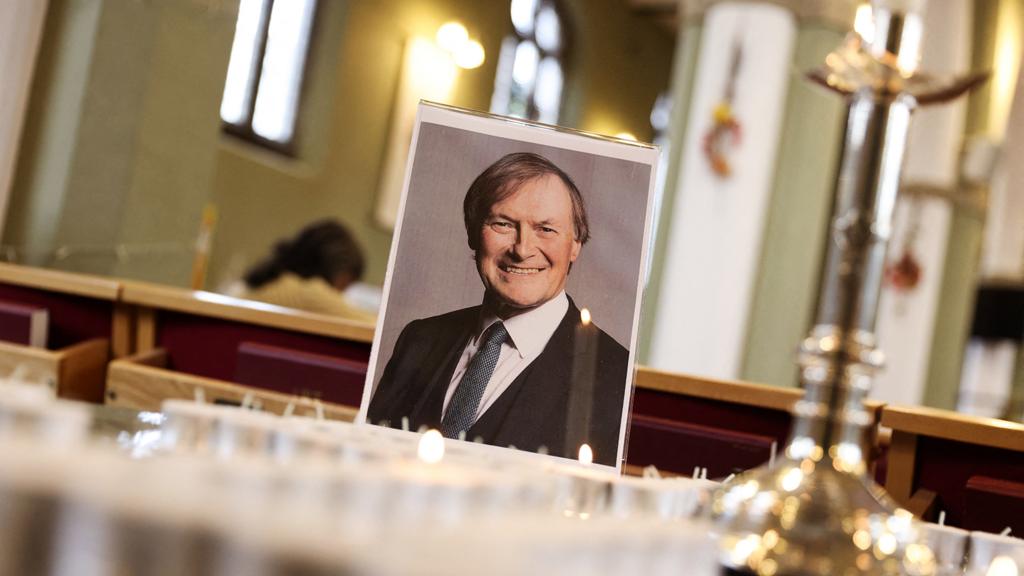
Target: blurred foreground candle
[
  {"x": 949, "y": 545},
  {"x": 995, "y": 555},
  {"x": 581, "y": 395},
  {"x": 586, "y": 456},
  {"x": 431, "y": 448},
  {"x": 1002, "y": 566}
]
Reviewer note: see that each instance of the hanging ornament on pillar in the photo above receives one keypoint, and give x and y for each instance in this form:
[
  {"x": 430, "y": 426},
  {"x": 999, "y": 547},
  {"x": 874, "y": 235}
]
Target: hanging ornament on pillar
[
  {"x": 725, "y": 132},
  {"x": 904, "y": 273}
]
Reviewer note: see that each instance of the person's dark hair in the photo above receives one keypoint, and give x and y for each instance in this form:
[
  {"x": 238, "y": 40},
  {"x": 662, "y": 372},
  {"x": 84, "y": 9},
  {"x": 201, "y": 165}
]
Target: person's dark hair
[
  {"x": 503, "y": 178},
  {"x": 323, "y": 249}
]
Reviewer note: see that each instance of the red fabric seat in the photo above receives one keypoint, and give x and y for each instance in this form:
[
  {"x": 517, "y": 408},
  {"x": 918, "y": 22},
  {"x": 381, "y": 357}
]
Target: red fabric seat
[
  {"x": 991, "y": 504},
  {"x": 290, "y": 371},
  {"x": 679, "y": 447}
]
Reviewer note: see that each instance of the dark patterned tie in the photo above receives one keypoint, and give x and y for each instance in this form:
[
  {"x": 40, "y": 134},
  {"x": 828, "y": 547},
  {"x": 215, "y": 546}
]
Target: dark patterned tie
[{"x": 461, "y": 412}]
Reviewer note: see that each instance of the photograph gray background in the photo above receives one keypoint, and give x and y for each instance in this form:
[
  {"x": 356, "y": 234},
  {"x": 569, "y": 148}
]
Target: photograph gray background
[{"x": 434, "y": 271}]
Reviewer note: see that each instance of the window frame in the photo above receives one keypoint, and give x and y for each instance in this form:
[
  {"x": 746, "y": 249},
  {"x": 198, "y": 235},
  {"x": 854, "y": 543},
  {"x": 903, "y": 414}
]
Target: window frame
[
  {"x": 244, "y": 130},
  {"x": 563, "y": 56}
]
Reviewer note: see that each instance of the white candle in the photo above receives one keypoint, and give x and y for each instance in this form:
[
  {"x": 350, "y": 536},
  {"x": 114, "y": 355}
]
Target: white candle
[{"x": 581, "y": 396}]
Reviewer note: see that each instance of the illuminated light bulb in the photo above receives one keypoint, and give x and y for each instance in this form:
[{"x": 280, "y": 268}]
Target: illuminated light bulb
[
  {"x": 431, "y": 448},
  {"x": 586, "y": 455},
  {"x": 452, "y": 36},
  {"x": 626, "y": 136},
  {"x": 863, "y": 24},
  {"x": 429, "y": 70},
  {"x": 585, "y": 316},
  {"x": 1002, "y": 566},
  {"x": 470, "y": 55}
]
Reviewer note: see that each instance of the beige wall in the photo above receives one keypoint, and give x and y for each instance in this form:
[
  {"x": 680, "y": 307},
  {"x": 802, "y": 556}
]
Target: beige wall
[
  {"x": 619, "y": 66},
  {"x": 120, "y": 137},
  {"x": 123, "y": 146},
  {"x": 21, "y": 29}
]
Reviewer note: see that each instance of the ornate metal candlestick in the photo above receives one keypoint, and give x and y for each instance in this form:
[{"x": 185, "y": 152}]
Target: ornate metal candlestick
[{"x": 817, "y": 512}]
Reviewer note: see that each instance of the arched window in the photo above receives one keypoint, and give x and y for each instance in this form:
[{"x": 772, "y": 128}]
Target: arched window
[
  {"x": 531, "y": 67},
  {"x": 265, "y": 73}
]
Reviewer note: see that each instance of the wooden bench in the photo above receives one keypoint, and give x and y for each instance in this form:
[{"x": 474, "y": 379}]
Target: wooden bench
[
  {"x": 87, "y": 325},
  {"x": 680, "y": 422},
  {"x": 201, "y": 331},
  {"x": 942, "y": 460},
  {"x": 143, "y": 382},
  {"x": 186, "y": 340},
  {"x": 295, "y": 372}
]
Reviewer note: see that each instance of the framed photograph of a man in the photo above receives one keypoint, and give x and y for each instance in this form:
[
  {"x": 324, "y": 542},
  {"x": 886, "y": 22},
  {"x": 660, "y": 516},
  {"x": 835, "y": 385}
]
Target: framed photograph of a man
[{"x": 513, "y": 290}]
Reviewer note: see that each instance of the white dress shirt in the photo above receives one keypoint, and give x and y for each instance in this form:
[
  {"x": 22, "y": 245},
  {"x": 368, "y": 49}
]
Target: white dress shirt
[{"x": 528, "y": 334}]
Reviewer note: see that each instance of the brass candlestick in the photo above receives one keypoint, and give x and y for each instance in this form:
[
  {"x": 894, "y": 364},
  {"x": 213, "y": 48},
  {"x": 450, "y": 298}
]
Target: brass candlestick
[{"x": 817, "y": 512}]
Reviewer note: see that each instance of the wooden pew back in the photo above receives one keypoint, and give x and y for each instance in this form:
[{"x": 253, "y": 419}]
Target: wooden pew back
[
  {"x": 942, "y": 453},
  {"x": 201, "y": 331},
  {"x": 86, "y": 324}
]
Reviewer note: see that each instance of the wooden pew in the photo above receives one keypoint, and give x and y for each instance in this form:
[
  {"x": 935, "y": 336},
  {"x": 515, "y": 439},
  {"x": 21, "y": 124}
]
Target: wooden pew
[
  {"x": 680, "y": 422},
  {"x": 184, "y": 339},
  {"x": 291, "y": 371},
  {"x": 87, "y": 325},
  {"x": 968, "y": 466},
  {"x": 143, "y": 382}
]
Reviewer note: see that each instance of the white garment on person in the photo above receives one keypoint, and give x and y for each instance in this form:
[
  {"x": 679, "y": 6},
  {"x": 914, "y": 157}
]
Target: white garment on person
[{"x": 528, "y": 334}]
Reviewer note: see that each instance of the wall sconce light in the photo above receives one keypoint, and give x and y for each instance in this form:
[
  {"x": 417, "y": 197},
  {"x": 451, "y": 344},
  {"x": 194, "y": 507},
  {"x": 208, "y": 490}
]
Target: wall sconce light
[
  {"x": 862, "y": 23},
  {"x": 465, "y": 51}
]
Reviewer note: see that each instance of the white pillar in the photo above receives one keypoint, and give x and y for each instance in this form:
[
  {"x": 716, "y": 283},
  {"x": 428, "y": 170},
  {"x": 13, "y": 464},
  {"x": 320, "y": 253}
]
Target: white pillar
[
  {"x": 21, "y": 27},
  {"x": 714, "y": 241},
  {"x": 989, "y": 365},
  {"x": 906, "y": 319},
  {"x": 1002, "y": 255}
]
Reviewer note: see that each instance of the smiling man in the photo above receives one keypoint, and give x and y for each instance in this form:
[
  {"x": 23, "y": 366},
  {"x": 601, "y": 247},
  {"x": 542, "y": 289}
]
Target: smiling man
[{"x": 510, "y": 371}]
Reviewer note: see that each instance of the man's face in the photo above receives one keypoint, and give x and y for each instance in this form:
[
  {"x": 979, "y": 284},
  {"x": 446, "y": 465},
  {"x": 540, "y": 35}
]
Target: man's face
[{"x": 527, "y": 244}]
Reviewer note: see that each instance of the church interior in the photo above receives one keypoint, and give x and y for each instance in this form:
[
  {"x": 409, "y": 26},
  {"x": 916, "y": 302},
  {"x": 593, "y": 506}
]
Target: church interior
[{"x": 162, "y": 414}]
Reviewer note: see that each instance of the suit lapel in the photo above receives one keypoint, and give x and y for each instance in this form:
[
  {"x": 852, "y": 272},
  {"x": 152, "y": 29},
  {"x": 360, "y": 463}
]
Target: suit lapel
[
  {"x": 438, "y": 367},
  {"x": 532, "y": 411}
]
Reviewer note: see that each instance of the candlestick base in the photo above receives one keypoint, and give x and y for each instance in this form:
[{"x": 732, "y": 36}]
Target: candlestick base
[{"x": 806, "y": 518}]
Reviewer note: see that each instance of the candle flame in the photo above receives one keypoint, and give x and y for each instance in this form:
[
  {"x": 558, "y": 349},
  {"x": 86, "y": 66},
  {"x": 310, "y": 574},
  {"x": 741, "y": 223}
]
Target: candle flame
[
  {"x": 431, "y": 448},
  {"x": 586, "y": 455},
  {"x": 585, "y": 316},
  {"x": 1002, "y": 566}
]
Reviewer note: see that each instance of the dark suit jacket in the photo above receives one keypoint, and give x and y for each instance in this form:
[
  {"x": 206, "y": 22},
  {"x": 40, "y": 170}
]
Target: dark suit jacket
[{"x": 540, "y": 408}]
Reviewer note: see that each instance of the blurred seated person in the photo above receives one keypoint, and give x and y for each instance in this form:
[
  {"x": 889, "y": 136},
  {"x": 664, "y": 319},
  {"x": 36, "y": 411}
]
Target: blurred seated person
[{"x": 311, "y": 272}]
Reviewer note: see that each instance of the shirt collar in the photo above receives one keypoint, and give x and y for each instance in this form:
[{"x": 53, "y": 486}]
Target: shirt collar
[{"x": 530, "y": 331}]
